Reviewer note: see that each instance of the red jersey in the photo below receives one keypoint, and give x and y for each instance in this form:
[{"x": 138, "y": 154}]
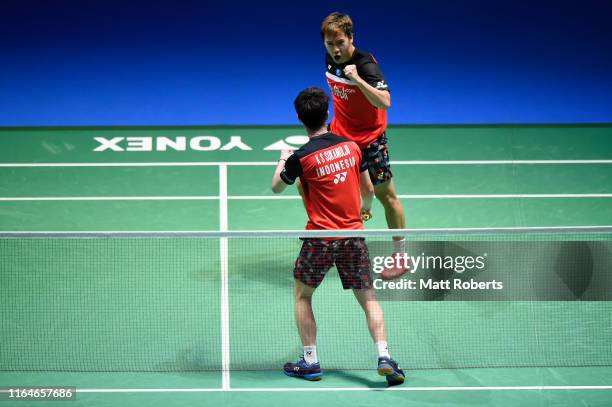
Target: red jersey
[
  {"x": 329, "y": 168},
  {"x": 354, "y": 116}
]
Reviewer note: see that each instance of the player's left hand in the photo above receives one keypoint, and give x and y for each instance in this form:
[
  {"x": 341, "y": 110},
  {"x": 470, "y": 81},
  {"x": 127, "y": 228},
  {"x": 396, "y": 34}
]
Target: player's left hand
[
  {"x": 350, "y": 71},
  {"x": 285, "y": 154}
]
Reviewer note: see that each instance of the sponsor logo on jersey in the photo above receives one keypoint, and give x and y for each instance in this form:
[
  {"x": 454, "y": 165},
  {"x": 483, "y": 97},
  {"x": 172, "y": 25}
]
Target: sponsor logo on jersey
[
  {"x": 341, "y": 92},
  {"x": 338, "y": 178},
  {"x": 381, "y": 85}
]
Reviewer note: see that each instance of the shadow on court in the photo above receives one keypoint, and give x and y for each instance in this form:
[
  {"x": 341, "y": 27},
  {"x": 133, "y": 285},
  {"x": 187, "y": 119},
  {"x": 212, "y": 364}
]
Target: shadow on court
[{"x": 358, "y": 378}]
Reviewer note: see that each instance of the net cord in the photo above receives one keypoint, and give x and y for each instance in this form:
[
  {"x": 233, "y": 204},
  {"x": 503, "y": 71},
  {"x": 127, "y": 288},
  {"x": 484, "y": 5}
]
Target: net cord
[{"x": 305, "y": 233}]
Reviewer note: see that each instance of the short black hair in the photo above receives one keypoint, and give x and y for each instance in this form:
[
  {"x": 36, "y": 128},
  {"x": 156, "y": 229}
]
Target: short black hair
[
  {"x": 337, "y": 22},
  {"x": 311, "y": 106}
]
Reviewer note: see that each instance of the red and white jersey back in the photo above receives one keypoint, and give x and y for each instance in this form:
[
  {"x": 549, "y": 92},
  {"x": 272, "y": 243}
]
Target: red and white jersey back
[{"x": 329, "y": 168}]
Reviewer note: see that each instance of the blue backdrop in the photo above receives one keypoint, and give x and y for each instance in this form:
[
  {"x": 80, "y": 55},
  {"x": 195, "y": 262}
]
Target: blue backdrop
[{"x": 202, "y": 62}]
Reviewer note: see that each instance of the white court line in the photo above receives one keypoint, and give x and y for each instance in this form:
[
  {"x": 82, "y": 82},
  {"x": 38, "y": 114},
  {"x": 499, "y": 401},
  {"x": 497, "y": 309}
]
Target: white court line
[
  {"x": 500, "y": 162},
  {"x": 290, "y": 197},
  {"x": 268, "y": 163},
  {"x": 263, "y": 197},
  {"x": 334, "y": 389},
  {"x": 446, "y": 196},
  {"x": 111, "y": 198},
  {"x": 224, "y": 259},
  {"x": 143, "y": 164}
]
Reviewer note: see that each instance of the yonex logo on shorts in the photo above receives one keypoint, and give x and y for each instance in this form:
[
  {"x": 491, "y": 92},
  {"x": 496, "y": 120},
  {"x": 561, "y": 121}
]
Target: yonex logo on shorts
[{"x": 340, "y": 177}]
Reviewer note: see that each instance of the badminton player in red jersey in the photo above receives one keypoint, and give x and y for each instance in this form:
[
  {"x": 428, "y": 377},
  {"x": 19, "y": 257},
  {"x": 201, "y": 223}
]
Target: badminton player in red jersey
[
  {"x": 331, "y": 169},
  {"x": 361, "y": 98}
]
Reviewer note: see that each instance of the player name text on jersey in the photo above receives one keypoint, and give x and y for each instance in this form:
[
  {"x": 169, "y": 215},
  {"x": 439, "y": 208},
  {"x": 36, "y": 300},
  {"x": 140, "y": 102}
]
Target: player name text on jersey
[
  {"x": 334, "y": 167},
  {"x": 332, "y": 154}
]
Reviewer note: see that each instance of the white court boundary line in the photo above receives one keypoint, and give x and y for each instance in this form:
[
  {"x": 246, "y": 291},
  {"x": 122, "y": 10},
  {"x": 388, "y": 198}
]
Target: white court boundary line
[
  {"x": 448, "y": 196},
  {"x": 334, "y": 389},
  {"x": 224, "y": 165},
  {"x": 288, "y": 197},
  {"x": 223, "y": 222},
  {"x": 112, "y": 198},
  {"x": 224, "y": 259},
  {"x": 268, "y": 163}
]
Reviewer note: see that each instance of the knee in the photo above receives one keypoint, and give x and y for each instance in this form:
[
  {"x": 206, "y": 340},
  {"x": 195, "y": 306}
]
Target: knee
[{"x": 302, "y": 295}]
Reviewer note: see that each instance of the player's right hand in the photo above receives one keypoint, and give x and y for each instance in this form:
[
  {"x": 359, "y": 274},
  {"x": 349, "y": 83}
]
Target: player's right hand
[
  {"x": 366, "y": 214},
  {"x": 350, "y": 71}
]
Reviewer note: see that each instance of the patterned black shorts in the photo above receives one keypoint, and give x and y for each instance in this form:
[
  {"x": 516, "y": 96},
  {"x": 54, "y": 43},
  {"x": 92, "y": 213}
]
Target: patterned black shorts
[
  {"x": 377, "y": 157},
  {"x": 349, "y": 255}
]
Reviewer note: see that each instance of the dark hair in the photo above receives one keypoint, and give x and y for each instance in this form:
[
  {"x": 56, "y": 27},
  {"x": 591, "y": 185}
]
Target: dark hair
[
  {"x": 311, "y": 106},
  {"x": 337, "y": 22}
]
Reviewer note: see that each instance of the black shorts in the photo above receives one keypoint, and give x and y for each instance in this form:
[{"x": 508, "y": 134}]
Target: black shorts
[
  {"x": 349, "y": 255},
  {"x": 376, "y": 156}
]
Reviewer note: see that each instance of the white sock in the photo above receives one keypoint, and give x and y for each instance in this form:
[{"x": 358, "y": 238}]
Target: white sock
[
  {"x": 383, "y": 350},
  {"x": 399, "y": 246},
  {"x": 310, "y": 354}
]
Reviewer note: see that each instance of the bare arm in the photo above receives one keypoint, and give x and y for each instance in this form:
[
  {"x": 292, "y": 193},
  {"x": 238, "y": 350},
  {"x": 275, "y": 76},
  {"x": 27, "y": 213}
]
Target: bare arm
[
  {"x": 300, "y": 189},
  {"x": 367, "y": 194},
  {"x": 278, "y": 185}
]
